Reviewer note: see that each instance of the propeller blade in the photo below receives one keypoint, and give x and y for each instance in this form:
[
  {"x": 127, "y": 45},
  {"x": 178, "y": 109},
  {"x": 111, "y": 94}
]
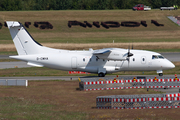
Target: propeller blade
[
  {"x": 129, "y": 54},
  {"x": 128, "y": 60}
]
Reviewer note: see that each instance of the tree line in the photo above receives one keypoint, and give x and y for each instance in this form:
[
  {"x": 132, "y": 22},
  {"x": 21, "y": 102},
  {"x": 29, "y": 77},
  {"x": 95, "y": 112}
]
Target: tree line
[{"x": 15, "y": 5}]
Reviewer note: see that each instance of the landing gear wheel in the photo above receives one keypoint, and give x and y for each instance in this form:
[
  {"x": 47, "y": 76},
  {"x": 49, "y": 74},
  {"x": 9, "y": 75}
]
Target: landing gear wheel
[
  {"x": 160, "y": 74},
  {"x": 101, "y": 75}
]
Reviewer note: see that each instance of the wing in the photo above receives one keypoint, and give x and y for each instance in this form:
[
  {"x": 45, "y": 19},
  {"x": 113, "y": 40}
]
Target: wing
[
  {"x": 110, "y": 54},
  {"x": 101, "y": 52}
]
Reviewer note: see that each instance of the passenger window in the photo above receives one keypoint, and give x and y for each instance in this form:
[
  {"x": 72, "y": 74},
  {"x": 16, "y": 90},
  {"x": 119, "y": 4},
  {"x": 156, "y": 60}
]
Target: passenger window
[
  {"x": 133, "y": 59},
  {"x": 84, "y": 59},
  {"x": 143, "y": 59}
]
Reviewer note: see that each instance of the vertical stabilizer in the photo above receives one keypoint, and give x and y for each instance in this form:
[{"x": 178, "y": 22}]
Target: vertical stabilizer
[{"x": 24, "y": 43}]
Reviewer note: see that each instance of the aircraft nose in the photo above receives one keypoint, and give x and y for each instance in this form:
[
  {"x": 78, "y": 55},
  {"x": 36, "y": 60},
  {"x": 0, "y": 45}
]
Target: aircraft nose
[{"x": 170, "y": 65}]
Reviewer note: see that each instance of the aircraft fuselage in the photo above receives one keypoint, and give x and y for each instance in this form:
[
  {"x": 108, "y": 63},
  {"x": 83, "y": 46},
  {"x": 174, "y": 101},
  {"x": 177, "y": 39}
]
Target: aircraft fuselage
[{"x": 86, "y": 61}]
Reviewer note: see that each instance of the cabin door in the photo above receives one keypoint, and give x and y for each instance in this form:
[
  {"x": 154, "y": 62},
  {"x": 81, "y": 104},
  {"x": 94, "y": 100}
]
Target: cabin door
[{"x": 74, "y": 63}]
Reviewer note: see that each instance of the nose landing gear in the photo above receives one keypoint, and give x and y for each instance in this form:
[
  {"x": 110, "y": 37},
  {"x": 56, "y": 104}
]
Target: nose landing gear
[{"x": 160, "y": 72}]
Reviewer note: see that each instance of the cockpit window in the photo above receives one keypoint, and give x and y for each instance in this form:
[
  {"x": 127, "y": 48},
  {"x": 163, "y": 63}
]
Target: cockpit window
[
  {"x": 157, "y": 57},
  {"x": 154, "y": 57},
  {"x": 161, "y": 57}
]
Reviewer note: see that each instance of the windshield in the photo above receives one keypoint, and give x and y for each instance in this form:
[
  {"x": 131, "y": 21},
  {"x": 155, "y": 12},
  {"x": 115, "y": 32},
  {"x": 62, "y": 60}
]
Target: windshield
[
  {"x": 160, "y": 57},
  {"x": 157, "y": 57}
]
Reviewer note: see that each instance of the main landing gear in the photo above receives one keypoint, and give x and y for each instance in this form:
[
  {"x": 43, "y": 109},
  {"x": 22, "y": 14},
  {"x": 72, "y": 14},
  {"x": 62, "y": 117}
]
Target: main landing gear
[
  {"x": 101, "y": 74},
  {"x": 160, "y": 74}
]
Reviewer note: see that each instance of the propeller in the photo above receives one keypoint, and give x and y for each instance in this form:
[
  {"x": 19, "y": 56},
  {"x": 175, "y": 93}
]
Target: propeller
[{"x": 129, "y": 54}]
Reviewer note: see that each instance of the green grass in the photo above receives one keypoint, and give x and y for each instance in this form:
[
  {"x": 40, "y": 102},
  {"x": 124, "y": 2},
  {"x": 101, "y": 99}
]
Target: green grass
[
  {"x": 166, "y": 50},
  {"x": 8, "y": 52},
  {"x": 20, "y": 108},
  {"x": 105, "y": 40},
  {"x": 62, "y": 33},
  {"x": 60, "y": 100}
]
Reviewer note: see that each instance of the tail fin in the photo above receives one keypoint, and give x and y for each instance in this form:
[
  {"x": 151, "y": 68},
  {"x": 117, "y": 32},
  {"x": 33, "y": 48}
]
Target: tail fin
[{"x": 24, "y": 43}]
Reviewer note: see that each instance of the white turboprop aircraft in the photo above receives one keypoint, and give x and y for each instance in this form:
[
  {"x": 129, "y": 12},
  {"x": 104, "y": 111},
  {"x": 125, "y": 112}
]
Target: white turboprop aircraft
[{"x": 100, "y": 61}]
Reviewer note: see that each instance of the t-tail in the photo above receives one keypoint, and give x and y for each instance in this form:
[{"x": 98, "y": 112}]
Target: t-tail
[
  {"x": 24, "y": 43},
  {"x": 28, "y": 49}
]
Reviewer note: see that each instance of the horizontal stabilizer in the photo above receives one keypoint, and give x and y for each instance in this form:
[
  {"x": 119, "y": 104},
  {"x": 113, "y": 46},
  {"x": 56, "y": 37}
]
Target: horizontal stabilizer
[
  {"x": 12, "y": 24},
  {"x": 35, "y": 64}
]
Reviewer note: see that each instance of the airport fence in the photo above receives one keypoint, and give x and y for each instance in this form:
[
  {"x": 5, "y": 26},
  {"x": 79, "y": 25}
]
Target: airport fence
[
  {"x": 13, "y": 82},
  {"x": 171, "y": 100},
  {"x": 88, "y": 84}
]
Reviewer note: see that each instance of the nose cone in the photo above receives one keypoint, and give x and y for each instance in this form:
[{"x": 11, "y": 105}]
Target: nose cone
[
  {"x": 168, "y": 65},
  {"x": 171, "y": 66}
]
